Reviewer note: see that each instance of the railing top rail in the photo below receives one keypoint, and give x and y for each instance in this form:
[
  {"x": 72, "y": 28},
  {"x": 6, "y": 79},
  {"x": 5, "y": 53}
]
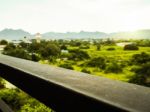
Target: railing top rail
[{"x": 67, "y": 90}]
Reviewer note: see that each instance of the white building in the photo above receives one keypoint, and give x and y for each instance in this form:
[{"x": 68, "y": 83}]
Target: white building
[
  {"x": 26, "y": 40},
  {"x": 38, "y": 37},
  {"x": 122, "y": 44}
]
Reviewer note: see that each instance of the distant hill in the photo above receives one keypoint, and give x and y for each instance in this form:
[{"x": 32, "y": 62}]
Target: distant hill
[
  {"x": 139, "y": 34},
  {"x": 19, "y": 34},
  {"x": 74, "y": 35},
  {"x": 13, "y": 34}
]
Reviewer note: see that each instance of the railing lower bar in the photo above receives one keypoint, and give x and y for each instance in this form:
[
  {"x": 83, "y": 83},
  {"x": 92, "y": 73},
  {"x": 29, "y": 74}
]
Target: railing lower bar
[{"x": 4, "y": 107}]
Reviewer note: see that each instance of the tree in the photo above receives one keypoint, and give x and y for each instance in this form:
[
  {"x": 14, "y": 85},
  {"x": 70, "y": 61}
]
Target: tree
[
  {"x": 75, "y": 43},
  {"x": 63, "y": 47},
  {"x": 109, "y": 42},
  {"x": 34, "y": 47},
  {"x": 78, "y": 55},
  {"x": 49, "y": 50},
  {"x": 3, "y": 42},
  {"x": 23, "y": 44},
  {"x": 9, "y": 47},
  {"x": 97, "y": 62},
  {"x": 98, "y": 47},
  {"x": 143, "y": 42}
]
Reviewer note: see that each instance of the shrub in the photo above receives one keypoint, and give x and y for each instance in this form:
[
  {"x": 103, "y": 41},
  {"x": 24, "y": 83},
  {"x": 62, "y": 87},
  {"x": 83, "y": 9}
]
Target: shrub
[
  {"x": 67, "y": 66},
  {"x": 18, "y": 52},
  {"x": 114, "y": 68},
  {"x": 64, "y": 55},
  {"x": 111, "y": 49},
  {"x": 131, "y": 47},
  {"x": 140, "y": 58},
  {"x": 34, "y": 106},
  {"x": 11, "y": 97},
  {"x": 35, "y": 57},
  {"x": 84, "y": 47},
  {"x": 52, "y": 59},
  {"x": 98, "y": 47},
  {"x": 21, "y": 102},
  {"x": 85, "y": 71}
]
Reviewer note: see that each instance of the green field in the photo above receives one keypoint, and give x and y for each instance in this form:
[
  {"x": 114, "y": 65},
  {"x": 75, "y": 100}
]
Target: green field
[
  {"x": 96, "y": 57},
  {"x": 118, "y": 55}
]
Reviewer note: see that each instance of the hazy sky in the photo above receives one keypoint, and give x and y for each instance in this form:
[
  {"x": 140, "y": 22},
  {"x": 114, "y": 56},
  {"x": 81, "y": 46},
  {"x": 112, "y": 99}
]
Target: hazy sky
[{"x": 75, "y": 15}]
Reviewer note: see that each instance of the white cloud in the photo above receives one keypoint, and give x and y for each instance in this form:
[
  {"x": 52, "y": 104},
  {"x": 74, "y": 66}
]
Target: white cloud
[{"x": 75, "y": 15}]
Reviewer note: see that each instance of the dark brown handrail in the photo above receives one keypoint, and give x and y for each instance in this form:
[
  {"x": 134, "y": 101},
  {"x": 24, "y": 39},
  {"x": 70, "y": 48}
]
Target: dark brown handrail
[{"x": 70, "y": 91}]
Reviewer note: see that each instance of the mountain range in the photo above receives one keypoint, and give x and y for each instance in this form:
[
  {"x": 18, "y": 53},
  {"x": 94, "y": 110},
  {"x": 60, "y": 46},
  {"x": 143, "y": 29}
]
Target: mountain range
[{"x": 19, "y": 34}]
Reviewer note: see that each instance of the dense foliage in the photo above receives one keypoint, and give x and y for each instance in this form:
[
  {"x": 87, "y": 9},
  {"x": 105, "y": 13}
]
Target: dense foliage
[
  {"x": 140, "y": 58},
  {"x": 2, "y": 83},
  {"x": 142, "y": 71},
  {"x": 21, "y": 102}
]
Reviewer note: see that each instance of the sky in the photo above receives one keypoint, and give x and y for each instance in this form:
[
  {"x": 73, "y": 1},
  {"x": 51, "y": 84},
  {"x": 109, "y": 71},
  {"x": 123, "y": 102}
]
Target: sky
[{"x": 75, "y": 15}]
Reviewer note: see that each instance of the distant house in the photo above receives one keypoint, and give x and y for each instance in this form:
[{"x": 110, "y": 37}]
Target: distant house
[
  {"x": 16, "y": 42},
  {"x": 2, "y": 48},
  {"x": 26, "y": 40}
]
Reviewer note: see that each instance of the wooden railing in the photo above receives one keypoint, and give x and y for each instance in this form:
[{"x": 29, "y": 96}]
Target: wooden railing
[
  {"x": 70, "y": 91},
  {"x": 4, "y": 107}
]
